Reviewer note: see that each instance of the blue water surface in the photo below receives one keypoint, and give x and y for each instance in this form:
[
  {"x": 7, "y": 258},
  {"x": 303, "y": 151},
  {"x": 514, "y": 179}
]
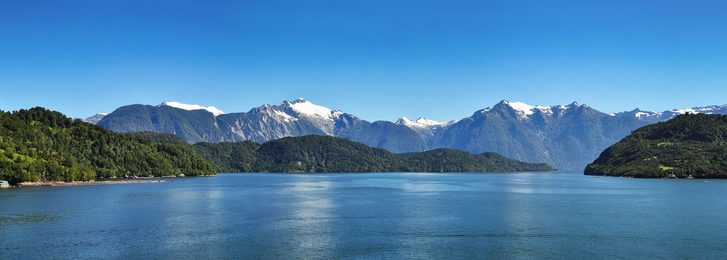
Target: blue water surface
[{"x": 391, "y": 215}]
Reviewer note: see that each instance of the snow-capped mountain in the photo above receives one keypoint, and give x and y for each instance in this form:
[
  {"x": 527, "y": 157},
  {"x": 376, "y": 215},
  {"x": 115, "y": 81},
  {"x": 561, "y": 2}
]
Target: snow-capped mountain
[
  {"x": 94, "y": 119},
  {"x": 322, "y": 117},
  {"x": 427, "y": 128},
  {"x": 215, "y": 111},
  {"x": 260, "y": 124},
  {"x": 714, "y": 109},
  {"x": 565, "y": 136},
  {"x": 422, "y": 123},
  {"x": 524, "y": 111},
  {"x": 269, "y": 122},
  {"x": 652, "y": 117},
  {"x": 640, "y": 114},
  {"x": 307, "y": 109}
]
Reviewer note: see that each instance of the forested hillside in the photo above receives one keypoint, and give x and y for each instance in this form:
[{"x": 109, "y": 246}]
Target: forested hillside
[
  {"x": 42, "y": 145},
  {"x": 332, "y": 154},
  {"x": 689, "y": 145},
  {"x": 230, "y": 157}
]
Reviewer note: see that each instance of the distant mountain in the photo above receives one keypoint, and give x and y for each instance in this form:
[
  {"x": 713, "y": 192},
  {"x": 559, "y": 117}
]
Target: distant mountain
[
  {"x": 94, "y": 119},
  {"x": 42, "y": 145},
  {"x": 690, "y": 145},
  {"x": 192, "y": 125},
  {"x": 215, "y": 111},
  {"x": 261, "y": 124},
  {"x": 331, "y": 154},
  {"x": 566, "y": 136},
  {"x": 428, "y": 129},
  {"x": 653, "y": 117}
]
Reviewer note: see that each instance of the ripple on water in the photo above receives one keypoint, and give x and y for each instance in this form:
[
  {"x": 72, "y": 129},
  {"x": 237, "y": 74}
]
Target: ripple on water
[
  {"x": 137, "y": 197},
  {"x": 28, "y": 218}
]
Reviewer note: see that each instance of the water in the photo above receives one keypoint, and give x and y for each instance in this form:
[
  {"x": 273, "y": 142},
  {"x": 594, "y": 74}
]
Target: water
[{"x": 524, "y": 215}]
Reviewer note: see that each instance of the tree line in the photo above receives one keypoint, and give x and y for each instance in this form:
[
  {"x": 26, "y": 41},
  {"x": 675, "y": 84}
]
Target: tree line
[
  {"x": 42, "y": 145},
  {"x": 689, "y": 145}
]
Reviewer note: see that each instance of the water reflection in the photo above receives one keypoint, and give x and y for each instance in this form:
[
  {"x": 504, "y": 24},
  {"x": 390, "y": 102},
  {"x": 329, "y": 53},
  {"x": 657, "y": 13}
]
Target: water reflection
[
  {"x": 194, "y": 224},
  {"x": 370, "y": 216},
  {"x": 418, "y": 213},
  {"x": 308, "y": 230}
]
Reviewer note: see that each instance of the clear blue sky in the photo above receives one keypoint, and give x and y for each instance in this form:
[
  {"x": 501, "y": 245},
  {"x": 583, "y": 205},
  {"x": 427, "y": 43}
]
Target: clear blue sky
[{"x": 375, "y": 59}]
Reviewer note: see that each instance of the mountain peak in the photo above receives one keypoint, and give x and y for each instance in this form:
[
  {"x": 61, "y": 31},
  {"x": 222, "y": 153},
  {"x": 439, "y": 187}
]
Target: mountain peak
[
  {"x": 189, "y": 107},
  {"x": 681, "y": 111},
  {"x": 522, "y": 109},
  {"x": 298, "y": 100},
  {"x": 574, "y": 104},
  {"x": 94, "y": 119},
  {"x": 421, "y": 122},
  {"x": 651, "y": 116},
  {"x": 307, "y": 108}
]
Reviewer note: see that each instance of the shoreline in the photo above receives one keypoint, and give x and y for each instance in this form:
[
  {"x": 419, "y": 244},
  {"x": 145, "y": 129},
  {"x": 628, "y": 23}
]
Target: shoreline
[{"x": 85, "y": 183}]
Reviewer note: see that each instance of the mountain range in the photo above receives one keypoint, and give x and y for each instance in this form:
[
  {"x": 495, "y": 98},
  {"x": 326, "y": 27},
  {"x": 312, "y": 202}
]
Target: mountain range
[
  {"x": 566, "y": 136},
  {"x": 40, "y": 145}
]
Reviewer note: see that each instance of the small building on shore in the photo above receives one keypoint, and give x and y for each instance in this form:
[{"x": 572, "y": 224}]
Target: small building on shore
[{"x": 4, "y": 184}]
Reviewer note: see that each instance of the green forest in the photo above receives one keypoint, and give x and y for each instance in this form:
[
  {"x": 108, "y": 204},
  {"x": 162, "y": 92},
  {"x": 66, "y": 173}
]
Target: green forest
[
  {"x": 43, "y": 145},
  {"x": 331, "y": 154},
  {"x": 689, "y": 145}
]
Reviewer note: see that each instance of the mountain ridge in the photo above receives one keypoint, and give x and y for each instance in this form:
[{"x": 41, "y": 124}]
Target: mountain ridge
[
  {"x": 39, "y": 145},
  {"x": 566, "y": 136},
  {"x": 424, "y": 122}
]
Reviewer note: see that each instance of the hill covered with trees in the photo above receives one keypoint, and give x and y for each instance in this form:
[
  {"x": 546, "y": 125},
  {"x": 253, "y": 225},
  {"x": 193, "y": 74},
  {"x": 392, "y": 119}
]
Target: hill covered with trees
[
  {"x": 42, "y": 145},
  {"x": 230, "y": 157},
  {"x": 689, "y": 145},
  {"x": 331, "y": 154}
]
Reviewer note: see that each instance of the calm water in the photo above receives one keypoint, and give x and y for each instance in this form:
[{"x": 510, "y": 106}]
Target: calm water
[{"x": 370, "y": 216}]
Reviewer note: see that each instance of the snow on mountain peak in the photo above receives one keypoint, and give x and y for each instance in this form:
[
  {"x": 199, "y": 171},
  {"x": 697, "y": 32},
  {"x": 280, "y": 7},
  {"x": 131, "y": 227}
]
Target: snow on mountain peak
[
  {"x": 403, "y": 121},
  {"x": 421, "y": 123},
  {"x": 94, "y": 119},
  {"x": 525, "y": 110},
  {"x": 711, "y": 109},
  {"x": 300, "y": 100},
  {"x": 284, "y": 116},
  {"x": 651, "y": 116},
  {"x": 521, "y": 108},
  {"x": 682, "y": 111},
  {"x": 215, "y": 111},
  {"x": 643, "y": 114},
  {"x": 305, "y": 107}
]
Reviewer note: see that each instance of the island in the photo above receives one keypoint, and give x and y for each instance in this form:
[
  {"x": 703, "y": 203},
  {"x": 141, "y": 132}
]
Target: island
[{"x": 688, "y": 146}]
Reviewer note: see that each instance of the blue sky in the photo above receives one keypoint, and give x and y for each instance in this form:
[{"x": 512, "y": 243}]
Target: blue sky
[{"x": 375, "y": 59}]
